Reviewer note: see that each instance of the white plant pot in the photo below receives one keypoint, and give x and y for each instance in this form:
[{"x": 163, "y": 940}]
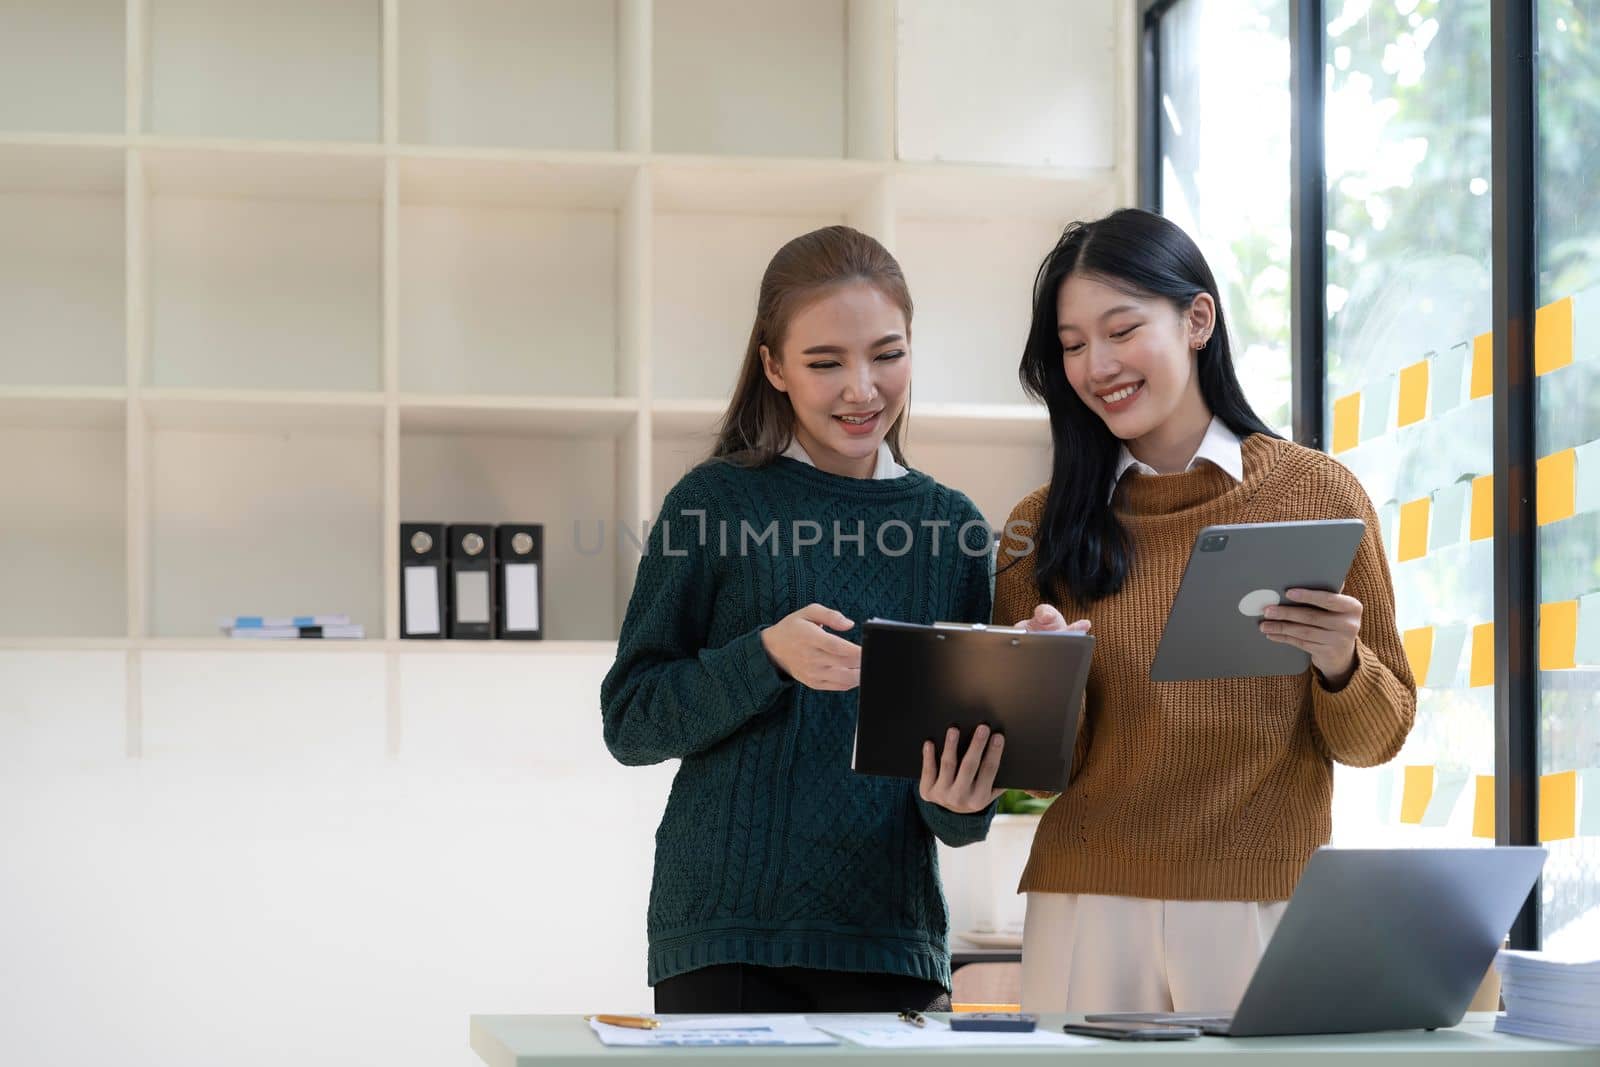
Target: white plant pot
[{"x": 981, "y": 879}]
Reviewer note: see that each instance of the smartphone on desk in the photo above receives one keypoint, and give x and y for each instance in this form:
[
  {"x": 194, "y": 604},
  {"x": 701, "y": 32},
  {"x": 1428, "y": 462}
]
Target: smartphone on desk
[
  {"x": 1132, "y": 1031},
  {"x": 1004, "y": 1022}
]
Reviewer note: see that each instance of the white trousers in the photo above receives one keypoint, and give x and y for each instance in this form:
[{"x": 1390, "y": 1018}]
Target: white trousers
[{"x": 1085, "y": 953}]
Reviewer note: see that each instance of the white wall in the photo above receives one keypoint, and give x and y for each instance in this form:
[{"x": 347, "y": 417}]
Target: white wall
[
  {"x": 1010, "y": 81},
  {"x": 267, "y": 886}
]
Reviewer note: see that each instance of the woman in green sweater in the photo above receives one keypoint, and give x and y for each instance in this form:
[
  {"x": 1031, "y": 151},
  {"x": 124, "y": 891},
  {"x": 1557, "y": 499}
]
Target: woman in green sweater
[{"x": 783, "y": 880}]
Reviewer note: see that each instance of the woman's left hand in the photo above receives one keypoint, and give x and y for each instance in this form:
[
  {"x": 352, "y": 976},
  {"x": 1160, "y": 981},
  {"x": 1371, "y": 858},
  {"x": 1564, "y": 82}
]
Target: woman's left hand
[
  {"x": 968, "y": 787},
  {"x": 1324, "y": 624}
]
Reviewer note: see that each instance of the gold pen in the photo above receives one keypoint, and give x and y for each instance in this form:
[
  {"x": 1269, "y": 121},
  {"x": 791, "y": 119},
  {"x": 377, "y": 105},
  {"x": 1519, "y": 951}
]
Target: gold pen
[{"x": 633, "y": 1022}]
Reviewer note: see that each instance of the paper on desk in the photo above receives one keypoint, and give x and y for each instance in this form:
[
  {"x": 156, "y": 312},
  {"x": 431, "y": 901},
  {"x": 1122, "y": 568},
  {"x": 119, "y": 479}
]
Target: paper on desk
[
  {"x": 733, "y": 1022},
  {"x": 887, "y": 1031},
  {"x": 702, "y": 1031}
]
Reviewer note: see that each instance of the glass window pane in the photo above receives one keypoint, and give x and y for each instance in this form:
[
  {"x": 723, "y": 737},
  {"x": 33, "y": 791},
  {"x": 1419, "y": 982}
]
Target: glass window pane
[
  {"x": 1409, "y": 289},
  {"x": 1226, "y": 181},
  {"x": 1567, "y": 356}
]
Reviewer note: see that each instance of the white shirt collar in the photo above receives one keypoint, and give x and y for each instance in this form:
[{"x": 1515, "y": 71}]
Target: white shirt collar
[
  {"x": 1220, "y": 447},
  {"x": 886, "y": 468}
]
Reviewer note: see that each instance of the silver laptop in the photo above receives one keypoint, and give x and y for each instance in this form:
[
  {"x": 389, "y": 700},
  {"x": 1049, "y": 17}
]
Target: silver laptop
[{"x": 1378, "y": 939}]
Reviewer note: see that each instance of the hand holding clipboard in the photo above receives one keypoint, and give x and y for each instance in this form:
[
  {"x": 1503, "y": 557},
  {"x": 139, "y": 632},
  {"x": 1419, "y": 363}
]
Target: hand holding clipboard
[
  {"x": 920, "y": 682},
  {"x": 968, "y": 786}
]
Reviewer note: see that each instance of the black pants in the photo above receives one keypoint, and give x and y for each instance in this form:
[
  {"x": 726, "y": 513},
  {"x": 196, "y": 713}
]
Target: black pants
[{"x": 728, "y": 988}]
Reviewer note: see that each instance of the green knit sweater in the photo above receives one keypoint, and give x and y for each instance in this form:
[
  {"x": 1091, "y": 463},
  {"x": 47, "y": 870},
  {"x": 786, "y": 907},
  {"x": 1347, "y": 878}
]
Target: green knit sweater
[{"x": 772, "y": 850}]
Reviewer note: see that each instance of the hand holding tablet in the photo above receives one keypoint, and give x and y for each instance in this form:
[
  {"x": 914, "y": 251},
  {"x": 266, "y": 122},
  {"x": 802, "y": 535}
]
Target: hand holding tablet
[
  {"x": 1232, "y": 616},
  {"x": 1323, "y": 624}
]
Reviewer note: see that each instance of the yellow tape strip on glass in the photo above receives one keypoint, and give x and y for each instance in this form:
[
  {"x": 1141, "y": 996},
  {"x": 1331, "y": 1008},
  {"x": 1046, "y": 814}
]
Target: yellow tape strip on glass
[
  {"x": 1552, "y": 336},
  {"x": 1413, "y": 394},
  {"x": 1482, "y": 672},
  {"x": 1557, "y": 477},
  {"x": 1482, "y": 507},
  {"x": 1482, "y": 366},
  {"x": 1414, "y": 529},
  {"x": 1419, "y": 651},
  {"x": 1346, "y": 422},
  {"x": 1417, "y": 792},
  {"x": 1558, "y": 635},
  {"x": 1558, "y": 806}
]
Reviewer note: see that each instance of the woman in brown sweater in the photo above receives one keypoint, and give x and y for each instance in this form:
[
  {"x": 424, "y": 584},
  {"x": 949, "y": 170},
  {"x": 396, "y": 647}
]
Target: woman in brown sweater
[{"x": 1158, "y": 876}]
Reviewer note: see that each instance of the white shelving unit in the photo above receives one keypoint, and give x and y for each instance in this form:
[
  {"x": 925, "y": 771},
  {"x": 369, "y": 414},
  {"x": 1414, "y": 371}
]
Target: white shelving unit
[
  {"x": 276, "y": 276},
  {"x": 61, "y": 302},
  {"x": 285, "y": 70},
  {"x": 61, "y": 66}
]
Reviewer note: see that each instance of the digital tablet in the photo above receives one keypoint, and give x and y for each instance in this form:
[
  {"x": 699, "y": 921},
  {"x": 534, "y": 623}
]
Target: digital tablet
[
  {"x": 918, "y": 681},
  {"x": 1234, "y": 572}
]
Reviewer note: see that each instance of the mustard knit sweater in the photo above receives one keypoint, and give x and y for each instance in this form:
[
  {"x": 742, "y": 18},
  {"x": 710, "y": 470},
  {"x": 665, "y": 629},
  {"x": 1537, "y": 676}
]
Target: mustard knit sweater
[{"x": 1219, "y": 789}]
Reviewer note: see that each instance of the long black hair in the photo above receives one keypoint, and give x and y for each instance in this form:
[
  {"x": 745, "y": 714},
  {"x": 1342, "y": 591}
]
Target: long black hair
[{"x": 1082, "y": 545}]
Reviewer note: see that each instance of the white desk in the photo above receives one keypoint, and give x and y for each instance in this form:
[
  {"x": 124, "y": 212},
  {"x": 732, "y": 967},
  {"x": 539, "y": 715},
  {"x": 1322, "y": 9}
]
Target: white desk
[{"x": 545, "y": 1040}]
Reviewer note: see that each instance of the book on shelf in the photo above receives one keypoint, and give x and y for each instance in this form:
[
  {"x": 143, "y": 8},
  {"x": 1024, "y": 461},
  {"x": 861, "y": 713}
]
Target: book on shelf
[
  {"x": 260, "y": 622},
  {"x": 345, "y": 631}
]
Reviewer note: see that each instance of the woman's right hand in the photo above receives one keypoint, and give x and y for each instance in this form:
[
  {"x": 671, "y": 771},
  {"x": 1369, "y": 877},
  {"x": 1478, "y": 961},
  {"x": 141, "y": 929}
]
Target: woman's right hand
[
  {"x": 1046, "y": 619},
  {"x": 800, "y": 646}
]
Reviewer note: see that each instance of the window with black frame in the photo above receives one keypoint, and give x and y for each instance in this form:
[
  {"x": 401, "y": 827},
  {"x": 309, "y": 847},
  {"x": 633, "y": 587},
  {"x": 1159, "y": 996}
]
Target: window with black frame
[
  {"x": 1226, "y": 180},
  {"x": 1410, "y": 365},
  {"x": 1409, "y": 300},
  {"x": 1567, "y": 438},
  {"x": 1407, "y": 260}
]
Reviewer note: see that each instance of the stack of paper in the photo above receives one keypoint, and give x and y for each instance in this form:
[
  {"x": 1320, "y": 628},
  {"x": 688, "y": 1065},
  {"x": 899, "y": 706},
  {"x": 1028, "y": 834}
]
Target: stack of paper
[{"x": 1550, "y": 997}]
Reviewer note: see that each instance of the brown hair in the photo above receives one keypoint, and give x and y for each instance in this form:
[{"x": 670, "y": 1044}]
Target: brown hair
[{"x": 759, "y": 422}]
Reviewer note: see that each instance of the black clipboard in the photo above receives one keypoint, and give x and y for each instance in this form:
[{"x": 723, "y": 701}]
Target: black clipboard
[{"x": 917, "y": 681}]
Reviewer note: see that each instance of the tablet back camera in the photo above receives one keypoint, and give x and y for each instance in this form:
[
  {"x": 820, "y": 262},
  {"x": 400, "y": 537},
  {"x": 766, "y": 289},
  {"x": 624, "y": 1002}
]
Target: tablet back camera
[{"x": 1213, "y": 542}]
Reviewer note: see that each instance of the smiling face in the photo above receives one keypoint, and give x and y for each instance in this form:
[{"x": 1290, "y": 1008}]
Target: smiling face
[
  {"x": 1131, "y": 360},
  {"x": 845, "y": 365}
]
